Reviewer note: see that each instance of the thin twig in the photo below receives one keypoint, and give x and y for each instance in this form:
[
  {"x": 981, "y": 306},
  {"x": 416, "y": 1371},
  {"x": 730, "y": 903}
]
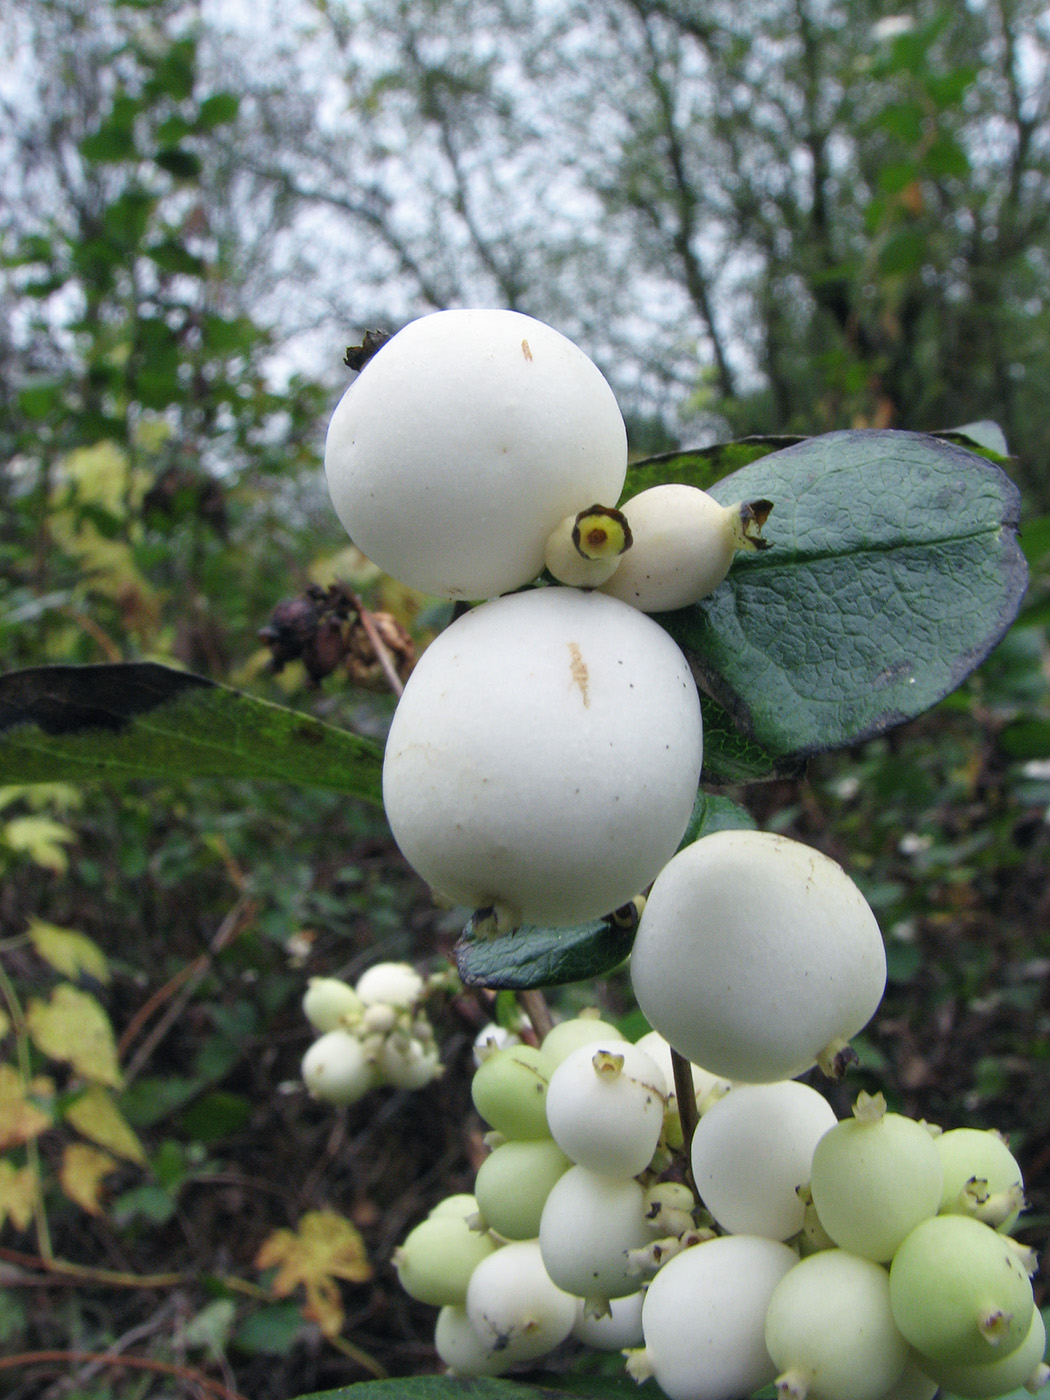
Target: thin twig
[
  {"x": 687, "y": 1111},
  {"x": 136, "y": 1363},
  {"x": 380, "y": 647},
  {"x": 235, "y": 922},
  {"x": 534, "y": 1004}
]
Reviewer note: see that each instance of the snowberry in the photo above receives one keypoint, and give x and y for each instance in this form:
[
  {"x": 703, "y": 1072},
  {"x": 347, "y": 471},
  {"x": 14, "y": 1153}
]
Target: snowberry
[
  {"x": 959, "y": 1292},
  {"x": 830, "y": 1330},
  {"x": 513, "y": 1183},
  {"x": 438, "y": 1257},
  {"x": 544, "y": 756},
  {"x": 620, "y": 1327},
  {"x": 337, "y": 1069},
  {"x": 585, "y": 549},
  {"x": 513, "y": 1306},
  {"x": 328, "y": 1003},
  {"x": 1022, "y": 1367},
  {"x": 408, "y": 1062},
  {"x": 683, "y": 545},
  {"x": 756, "y": 956},
  {"x": 461, "y": 445},
  {"x": 605, "y": 1107},
  {"x": 390, "y": 984},
  {"x": 589, "y": 1225},
  {"x": 875, "y": 1177},
  {"x": 585, "y": 1029},
  {"x": 751, "y": 1151},
  {"x": 981, "y": 1177},
  {"x": 509, "y": 1090},
  {"x": 462, "y": 1350},
  {"x": 703, "y": 1319}
]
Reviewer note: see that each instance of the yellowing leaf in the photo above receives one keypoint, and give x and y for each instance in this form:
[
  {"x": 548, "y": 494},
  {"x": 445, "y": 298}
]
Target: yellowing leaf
[
  {"x": 67, "y": 951},
  {"x": 5, "y": 1024},
  {"x": 73, "y": 1027},
  {"x": 325, "y": 1247},
  {"x": 96, "y": 1116},
  {"x": 82, "y": 1172},
  {"x": 20, "y": 1120},
  {"x": 40, "y": 839},
  {"x": 18, "y": 1190}
]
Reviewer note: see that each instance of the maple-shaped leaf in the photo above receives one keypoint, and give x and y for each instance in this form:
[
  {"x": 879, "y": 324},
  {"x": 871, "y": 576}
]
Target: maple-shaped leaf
[
  {"x": 96, "y": 1116},
  {"x": 40, "y": 839},
  {"x": 68, "y": 951},
  {"x": 82, "y": 1172},
  {"x": 73, "y": 1027},
  {"x": 20, "y": 1119},
  {"x": 325, "y": 1247},
  {"x": 18, "y": 1192}
]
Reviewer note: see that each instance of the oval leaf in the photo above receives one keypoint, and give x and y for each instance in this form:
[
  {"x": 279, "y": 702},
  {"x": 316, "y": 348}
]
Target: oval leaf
[
  {"x": 457, "y": 1388},
  {"x": 895, "y": 569},
  {"x": 541, "y": 957},
  {"x": 143, "y": 720}
]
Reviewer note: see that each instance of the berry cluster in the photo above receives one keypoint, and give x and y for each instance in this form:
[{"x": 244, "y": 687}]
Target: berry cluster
[
  {"x": 850, "y": 1260},
  {"x": 542, "y": 765},
  {"x": 371, "y": 1034}
]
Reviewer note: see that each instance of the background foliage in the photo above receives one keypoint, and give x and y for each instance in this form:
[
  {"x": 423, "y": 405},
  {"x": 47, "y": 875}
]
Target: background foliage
[{"x": 795, "y": 219}]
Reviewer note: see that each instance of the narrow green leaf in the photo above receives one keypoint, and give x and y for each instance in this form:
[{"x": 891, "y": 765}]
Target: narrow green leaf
[
  {"x": 894, "y": 571},
  {"x": 542, "y": 957},
  {"x": 143, "y": 720}
]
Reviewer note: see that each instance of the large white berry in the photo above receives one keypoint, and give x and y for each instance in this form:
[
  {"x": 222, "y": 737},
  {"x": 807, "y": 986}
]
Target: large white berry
[
  {"x": 462, "y": 444},
  {"x": 751, "y": 1151},
  {"x": 756, "y": 956},
  {"x": 337, "y": 1069},
  {"x": 590, "y": 1224},
  {"x": 605, "y": 1107},
  {"x": 545, "y": 756},
  {"x": 514, "y": 1308},
  {"x": 704, "y": 1317}
]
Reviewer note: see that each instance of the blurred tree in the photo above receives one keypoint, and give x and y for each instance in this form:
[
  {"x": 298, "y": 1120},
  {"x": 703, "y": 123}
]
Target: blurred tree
[
  {"x": 839, "y": 212},
  {"x": 139, "y": 419}
]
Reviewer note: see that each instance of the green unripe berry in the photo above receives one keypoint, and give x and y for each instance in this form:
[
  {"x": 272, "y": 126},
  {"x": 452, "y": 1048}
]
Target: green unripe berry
[
  {"x": 874, "y": 1177},
  {"x": 328, "y": 1003},
  {"x": 1023, "y": 1367},
  {"x": 981, "y": 1177},
  {"x": 437, "y": 1258},
  {"x": 568, "y": 1036},
  {"x": 509, "y": 1090},
  {"x": 513, "y": 1184},
  {"x": 830, "y": 1330},
  {"x": 959, "y": 1292}
]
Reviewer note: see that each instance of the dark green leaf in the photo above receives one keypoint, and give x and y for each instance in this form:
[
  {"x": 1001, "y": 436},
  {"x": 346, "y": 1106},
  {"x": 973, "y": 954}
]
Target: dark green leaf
[
  {"x": 453, "y": 1388},
  {"x": 183, "y": 164},
  {"x": 730, "y": 756},
  {"x": 714, "y": 813},
  {"x": 895, "y": 569},
  {"x": 542, "y": 957},
  {"x": 142, "y": 720},
  {"x": 702, "y": 466},
  {"x": 1026, "y": 738}
]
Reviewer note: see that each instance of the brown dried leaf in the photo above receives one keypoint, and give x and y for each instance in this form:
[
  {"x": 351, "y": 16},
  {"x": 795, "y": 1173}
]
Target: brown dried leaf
[
  {"x": 325, "y": 1247},
  {"x": 18, "y": 1191},
  {"x": 96, "y": 1116},
  {"x": 73, "y": 1027},
  {"x": 81, "y": 1174},
  {"x": 68, "y": 951},
  {"x": 20, "y": 1120}
]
